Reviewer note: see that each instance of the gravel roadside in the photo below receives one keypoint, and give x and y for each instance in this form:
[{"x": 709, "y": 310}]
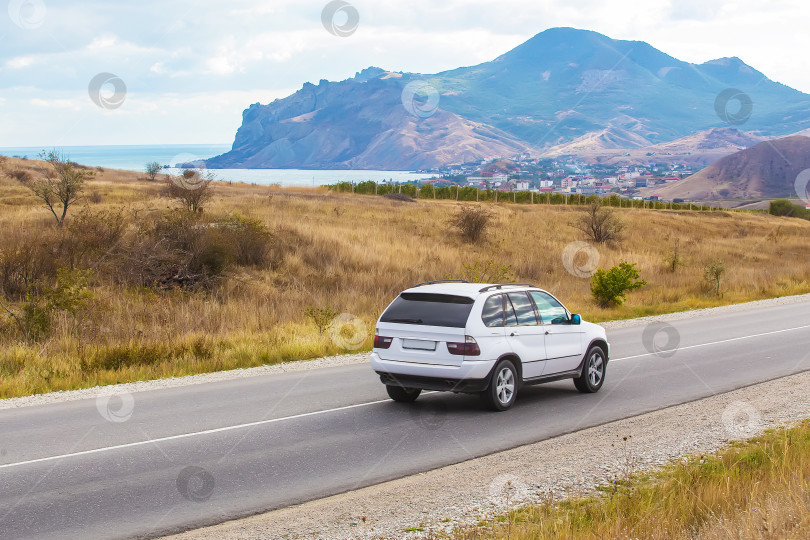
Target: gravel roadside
[
  {"x": 463, "y": 494},
  {"x": 334, "y": 361}
]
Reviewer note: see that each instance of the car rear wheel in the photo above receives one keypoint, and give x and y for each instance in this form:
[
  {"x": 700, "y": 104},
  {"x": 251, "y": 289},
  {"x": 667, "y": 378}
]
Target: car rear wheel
[
  {"x": 503, "y": 387},
  {"x": 403, "y": 395},
  {"x": 593, "y": 372}
]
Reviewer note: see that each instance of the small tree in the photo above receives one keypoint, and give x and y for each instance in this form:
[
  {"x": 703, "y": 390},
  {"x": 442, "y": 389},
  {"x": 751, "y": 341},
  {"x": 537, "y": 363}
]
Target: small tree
[
  {"x": 321, "y": 317},
  {"x": 673, "y": 259},
  {"x": 472, "y": 222},
  {"x": 713, "y": 275},
  {"x": 192, "y": 189},
  {"x": 600, "y": 224},
  {"x": 152, "y": 170},
  {"x": 609, "y": 288},
  {"x": 62, "y": 189}
]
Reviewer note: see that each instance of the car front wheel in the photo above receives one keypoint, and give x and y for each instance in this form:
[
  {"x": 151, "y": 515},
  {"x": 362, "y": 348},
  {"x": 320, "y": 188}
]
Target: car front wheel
[
  {"x": 593, "y": 372},
  {"x": 503, "y": 387}
]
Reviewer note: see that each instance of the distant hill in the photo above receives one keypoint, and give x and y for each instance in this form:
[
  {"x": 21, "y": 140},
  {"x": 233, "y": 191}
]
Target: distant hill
[
  {"x": 698, "y": 150},
  {"x": 562, "y": 87},
  {"x": 768, "y": 170},
  {"x": 610, "y": 141}
]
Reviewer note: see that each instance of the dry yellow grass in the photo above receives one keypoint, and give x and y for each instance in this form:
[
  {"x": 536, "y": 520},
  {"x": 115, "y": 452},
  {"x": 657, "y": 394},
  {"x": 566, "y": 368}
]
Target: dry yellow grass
[
  {"x": 756, "y": 489},
  {"x": 354, "y": 254}
]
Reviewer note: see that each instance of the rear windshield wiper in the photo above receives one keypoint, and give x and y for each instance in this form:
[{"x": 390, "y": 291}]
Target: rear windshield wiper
[{"x": 407, "y": 321}]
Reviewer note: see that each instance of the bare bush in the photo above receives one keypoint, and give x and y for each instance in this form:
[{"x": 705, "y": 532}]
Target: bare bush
[
  {"x": 28, "y": 261},
  {"x": 600, "y": 224},
  {"x": 250, "y": 239},
  {"x": 20, "y": 175},
  {"x": 184, "y": 249},
  {"x": 472, "y": 222},
  {"x": 192, "y": 189},
  {"x": 92, "y": 239}
]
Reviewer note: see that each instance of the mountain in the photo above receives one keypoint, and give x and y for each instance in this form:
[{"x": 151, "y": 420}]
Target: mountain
[
  {"x": 768, "y": 170},
  {"x": 563, "y": 86},
  {"x": 358, "y": 124}
]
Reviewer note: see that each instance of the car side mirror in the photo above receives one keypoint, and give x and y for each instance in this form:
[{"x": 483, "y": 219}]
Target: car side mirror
[{"x": 576, "y": 319}]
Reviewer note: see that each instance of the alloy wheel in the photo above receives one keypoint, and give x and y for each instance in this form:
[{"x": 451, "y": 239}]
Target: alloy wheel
[
  {"x": 596, "y": 369},
  {"x": 505, "y": 386}
]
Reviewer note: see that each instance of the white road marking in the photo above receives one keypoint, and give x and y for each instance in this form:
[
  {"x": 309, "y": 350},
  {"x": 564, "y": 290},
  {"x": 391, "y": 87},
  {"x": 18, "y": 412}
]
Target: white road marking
[
  {"x": 326, "y": 411},
  {"x": 193, "y": 434},
  {"x": 713, "y": 343}
]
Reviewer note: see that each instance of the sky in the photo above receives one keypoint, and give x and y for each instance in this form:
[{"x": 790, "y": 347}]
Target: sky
[{"x": 88, "y": 72}]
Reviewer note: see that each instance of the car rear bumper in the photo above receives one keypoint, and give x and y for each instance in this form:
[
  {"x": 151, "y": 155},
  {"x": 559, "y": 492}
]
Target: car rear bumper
[{"x": 470, "y": 376}]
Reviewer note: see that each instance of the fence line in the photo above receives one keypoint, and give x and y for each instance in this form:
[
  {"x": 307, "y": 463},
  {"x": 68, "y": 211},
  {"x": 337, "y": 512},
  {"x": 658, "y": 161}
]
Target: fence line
[{"x": 472, "y": 194}]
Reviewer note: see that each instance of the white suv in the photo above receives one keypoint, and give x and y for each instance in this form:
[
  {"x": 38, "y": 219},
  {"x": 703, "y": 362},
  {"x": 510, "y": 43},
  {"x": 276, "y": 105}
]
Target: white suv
[{"x": 485, "y": 339}]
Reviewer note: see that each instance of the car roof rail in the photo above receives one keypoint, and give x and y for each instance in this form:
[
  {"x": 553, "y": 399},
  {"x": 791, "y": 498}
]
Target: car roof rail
[
  {"x": 502, "y": 285},
  {"x": 440, "y": 281}
]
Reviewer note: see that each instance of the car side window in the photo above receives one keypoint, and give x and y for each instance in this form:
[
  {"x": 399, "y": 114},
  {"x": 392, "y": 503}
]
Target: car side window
[
  {"x": 523, "y": 309},
  {"x": 492, "y": 314},
  {"x": 551, "y": 311}
]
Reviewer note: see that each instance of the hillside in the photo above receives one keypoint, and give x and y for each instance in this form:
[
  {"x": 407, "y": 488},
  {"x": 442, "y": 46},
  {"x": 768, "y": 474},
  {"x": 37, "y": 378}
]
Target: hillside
[
  {"x": 623, "y": 148},
  {"x": 563, "y": 86},
  {"x": 767, "y": 170},
  {"x": 259, "y": 256}
]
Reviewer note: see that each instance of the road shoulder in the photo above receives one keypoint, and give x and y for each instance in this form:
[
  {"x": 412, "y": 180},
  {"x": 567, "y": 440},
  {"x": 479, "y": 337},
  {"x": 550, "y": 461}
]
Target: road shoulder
[{"x": 481, "y": 488}]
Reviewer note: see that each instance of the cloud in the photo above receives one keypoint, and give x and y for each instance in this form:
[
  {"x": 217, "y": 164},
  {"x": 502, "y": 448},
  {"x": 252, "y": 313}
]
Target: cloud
[
  {"x": 20, "y": 62},
  {"x": 62, "y": 104},
  {"x": 207, "y": 53}
]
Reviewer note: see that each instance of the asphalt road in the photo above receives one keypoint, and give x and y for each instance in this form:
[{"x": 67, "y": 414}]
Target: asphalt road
[{"x": 158, "y": 462}]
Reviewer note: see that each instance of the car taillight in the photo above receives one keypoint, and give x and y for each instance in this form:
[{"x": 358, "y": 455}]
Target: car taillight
[
  {"x": 381, "y": 342},
  {"x": 468, "y": 348}
]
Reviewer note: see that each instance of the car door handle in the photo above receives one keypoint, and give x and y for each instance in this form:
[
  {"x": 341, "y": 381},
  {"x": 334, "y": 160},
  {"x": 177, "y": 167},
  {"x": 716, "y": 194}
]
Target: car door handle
[
  {"x": 548, "y": 333},
  {"x": 513, "y": 334}
]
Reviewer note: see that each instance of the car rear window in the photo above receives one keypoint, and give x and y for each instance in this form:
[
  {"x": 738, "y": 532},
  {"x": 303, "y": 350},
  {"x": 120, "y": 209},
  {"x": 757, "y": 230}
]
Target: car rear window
[{"x": 429, "y": 310}]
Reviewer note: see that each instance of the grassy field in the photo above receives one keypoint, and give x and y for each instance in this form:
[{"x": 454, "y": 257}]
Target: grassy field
[
  {"x": 351, "y": 254},
  {"x": 754, "y": 489}
]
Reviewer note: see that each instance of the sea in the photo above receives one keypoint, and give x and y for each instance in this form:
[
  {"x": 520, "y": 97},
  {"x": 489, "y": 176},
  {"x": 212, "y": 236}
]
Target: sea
[{"x": 135, "y": 158}]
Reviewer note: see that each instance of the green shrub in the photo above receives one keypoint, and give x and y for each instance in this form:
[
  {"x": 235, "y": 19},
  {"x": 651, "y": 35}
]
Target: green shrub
[
  {"x": 35, "y": 316},
  {"x": 369, "y": 187},
  {"x": 609, "y": 288},
  {"x": 783, "y": 207}
]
